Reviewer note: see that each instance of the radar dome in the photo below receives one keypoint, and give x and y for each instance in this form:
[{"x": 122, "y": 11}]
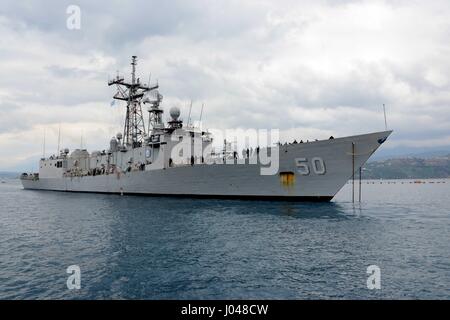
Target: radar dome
[
  {"x": 119, "y": 136},
  {"x": 174, "y": 113}
]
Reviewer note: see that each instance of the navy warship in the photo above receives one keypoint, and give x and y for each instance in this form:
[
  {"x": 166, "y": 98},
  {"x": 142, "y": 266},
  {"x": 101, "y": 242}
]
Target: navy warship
[{"x": 154, "y": 158}]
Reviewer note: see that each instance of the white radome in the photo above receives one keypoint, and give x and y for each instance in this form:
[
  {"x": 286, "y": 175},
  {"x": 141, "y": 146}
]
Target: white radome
[{"x": 174, "y": 113}]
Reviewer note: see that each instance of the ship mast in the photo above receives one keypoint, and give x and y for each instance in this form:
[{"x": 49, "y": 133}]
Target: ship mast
[
  {"x": 132, "y": 92},
  {"x": 154, "y": 112}
]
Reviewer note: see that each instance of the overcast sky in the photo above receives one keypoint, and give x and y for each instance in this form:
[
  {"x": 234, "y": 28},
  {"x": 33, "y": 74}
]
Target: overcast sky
[{"x": 309, "y": 68}]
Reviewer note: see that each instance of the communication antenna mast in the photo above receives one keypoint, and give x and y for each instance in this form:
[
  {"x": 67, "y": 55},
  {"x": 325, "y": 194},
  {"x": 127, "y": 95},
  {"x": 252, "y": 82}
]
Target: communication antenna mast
[
  {"x": 201, "y": 113},
  {"x": 385, "y": 122},
  {"x": 133, "y": 93},
  {"x": 59, "y": 139},
  {"x": 189, "y": 117},
  {"x": 43, "y": 147}
]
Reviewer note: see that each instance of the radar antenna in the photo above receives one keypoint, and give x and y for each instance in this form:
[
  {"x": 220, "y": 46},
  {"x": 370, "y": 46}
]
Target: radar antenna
[{"x": 155, "y": 112}]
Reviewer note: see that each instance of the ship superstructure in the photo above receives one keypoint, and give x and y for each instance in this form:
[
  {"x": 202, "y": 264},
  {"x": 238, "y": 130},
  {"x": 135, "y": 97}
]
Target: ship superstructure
[{"x": 174, "y": 159}]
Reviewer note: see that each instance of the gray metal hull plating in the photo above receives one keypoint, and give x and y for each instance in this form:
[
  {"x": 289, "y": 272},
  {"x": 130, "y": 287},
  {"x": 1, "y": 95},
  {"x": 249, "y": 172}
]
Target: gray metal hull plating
[{"x": 237, "y": 180}]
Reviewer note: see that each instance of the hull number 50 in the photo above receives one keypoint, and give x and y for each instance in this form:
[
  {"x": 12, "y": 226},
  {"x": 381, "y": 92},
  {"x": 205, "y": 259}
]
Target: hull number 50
[{"x": 316, "y": 163}]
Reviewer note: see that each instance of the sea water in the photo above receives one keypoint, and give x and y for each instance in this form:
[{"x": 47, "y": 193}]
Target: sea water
[{"x": 129, "y": 247}]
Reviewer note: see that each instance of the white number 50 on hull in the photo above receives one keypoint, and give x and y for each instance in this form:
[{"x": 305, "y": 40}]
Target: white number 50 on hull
[{"x": 303, "y": 166}]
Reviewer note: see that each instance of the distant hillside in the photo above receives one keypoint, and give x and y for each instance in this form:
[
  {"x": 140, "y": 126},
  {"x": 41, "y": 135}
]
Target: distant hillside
[
  {"x": 410, "y": 152},
  {"x": 9, "y": 175},
  {"x": 408, "y": 168}
]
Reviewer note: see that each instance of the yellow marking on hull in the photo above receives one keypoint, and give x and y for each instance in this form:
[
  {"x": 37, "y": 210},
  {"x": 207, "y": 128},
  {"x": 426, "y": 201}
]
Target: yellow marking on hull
[{"x": 287, "y": 179}]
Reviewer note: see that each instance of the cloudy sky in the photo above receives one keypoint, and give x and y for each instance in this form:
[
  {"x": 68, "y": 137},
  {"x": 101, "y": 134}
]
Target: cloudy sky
[{"x": 309, "y": 68}]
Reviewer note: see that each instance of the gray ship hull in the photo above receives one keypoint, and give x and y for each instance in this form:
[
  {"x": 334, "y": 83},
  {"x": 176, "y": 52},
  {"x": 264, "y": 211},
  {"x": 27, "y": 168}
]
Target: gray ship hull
[{"x": 342, "y": 157}]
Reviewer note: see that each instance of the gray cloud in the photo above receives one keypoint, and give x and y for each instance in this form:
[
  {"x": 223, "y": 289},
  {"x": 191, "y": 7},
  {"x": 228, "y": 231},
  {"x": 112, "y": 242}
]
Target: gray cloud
[{"x": 311, "y": 69}]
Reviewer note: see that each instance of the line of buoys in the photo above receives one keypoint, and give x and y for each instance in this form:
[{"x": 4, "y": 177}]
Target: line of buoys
[{"x": 402, "y": 182}]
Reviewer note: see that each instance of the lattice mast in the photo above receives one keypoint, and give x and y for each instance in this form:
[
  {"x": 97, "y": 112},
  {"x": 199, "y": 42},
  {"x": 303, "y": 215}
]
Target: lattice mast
[
  {"x": 134, "y": 133},
  {"x": 154, "y": 112}
]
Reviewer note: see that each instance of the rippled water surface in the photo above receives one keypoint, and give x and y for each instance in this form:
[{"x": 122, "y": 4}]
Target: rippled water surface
[{"x": 161, "y": 248}]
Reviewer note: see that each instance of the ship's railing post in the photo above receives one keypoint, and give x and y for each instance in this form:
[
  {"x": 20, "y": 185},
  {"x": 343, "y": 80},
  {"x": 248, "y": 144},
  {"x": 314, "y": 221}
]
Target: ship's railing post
[
  {"x": 353, "y": 172},
  {"x": 360, "y": 178}
]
